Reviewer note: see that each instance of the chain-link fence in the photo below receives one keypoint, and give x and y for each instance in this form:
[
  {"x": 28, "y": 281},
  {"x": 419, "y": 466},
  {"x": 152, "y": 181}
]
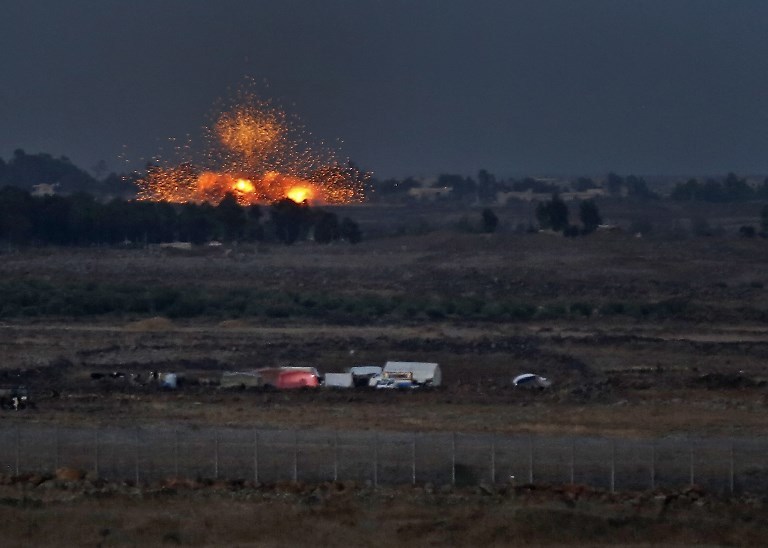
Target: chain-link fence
[{"x": 265, "y": 455}]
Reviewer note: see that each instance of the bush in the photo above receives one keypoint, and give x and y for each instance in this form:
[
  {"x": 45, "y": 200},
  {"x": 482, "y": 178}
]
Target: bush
[
  {"x": 747, "y": 231},
  {"x": 277, "y": 311},
  {"x": 490, "y": 221},
  {"x": 521, "y": 311},
  {"x": 581, "y": 309},
  {"x": 186, "y": 306},
  {"x": 613, "y": 308}
]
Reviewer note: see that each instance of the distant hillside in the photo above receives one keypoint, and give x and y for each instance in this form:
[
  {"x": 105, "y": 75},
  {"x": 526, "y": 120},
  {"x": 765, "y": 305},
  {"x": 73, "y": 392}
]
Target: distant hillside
[{"x": 45, "y": 174}]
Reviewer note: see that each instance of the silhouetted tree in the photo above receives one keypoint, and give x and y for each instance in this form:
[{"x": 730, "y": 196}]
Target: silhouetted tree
[
  {"x": 195, "y": 223},
  {"x": 614, "y": 184},
  {"x": 747, "y": 231},
  {"x": 51, "y": 220},
  {"x": 84, "y": 219},
  {"x": 289, "y": 219},
  {"x": 16, "y": 208},
  {"x": 638, "y": 188},
  {"x": 253, "y": 228},
  {"x": 486, "y": 187},
  {"x": 764, "y": 220},
  {"x": 326, "y": 227},
  {"x": 761, "y": 192},
  {"x": 686, "y": 191},
  {"x": 490, "y": 221},
  {"x": 583, "y": 183},
  {"x": 736, "y": 189},
  {"x": 589, "y": 216},
  {"x": 350, "y": 230},
  {"x": 553, "y": 214},
  {"x": 462, "y": 188},
  {"x": 731, "y": 190},
  {"x": 230, "y": 219}
]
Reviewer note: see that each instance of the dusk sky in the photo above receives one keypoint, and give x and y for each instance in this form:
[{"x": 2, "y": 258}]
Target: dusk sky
[{"x": 412, "y": 87}]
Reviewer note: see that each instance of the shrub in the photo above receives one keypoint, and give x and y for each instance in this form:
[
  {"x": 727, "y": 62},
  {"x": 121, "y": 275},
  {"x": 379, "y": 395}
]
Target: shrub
[
  {"x": 613, "y": 308},
  {"x": 581, "y": 309}
]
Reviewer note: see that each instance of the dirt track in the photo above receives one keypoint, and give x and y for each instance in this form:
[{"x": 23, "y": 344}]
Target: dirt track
[{"x": 666, "y": 384}]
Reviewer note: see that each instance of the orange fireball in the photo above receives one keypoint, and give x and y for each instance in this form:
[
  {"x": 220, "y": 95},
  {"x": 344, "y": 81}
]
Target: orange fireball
[
  {"x": 258, "y": 156},
  {"x": 300, "y": 193}
]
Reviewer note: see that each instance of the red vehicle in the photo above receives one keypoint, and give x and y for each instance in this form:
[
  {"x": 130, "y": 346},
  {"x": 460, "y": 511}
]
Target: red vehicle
[{"x": 285, "y": 378}]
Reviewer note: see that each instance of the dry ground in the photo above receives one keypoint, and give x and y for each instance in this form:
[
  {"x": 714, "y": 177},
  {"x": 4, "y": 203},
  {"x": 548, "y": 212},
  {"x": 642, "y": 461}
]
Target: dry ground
[
  {"x": 48, "y": 512},
  {"x": 699, "y": 370},
  {"x": 657, "y": 391},
  {"x": 702, "y": 370}
]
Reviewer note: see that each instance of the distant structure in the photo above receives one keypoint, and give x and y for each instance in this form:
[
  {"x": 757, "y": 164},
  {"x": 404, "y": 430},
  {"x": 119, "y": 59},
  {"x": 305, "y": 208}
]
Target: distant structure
[
  {"x": 419, "y": 372},
  {"x": 44, "y": 189}
]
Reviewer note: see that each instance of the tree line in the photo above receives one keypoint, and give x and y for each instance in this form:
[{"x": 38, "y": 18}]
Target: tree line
[
  {"x": 554, "y": 215},
  {"x": 80, "y": 219},
  {"x": 485, "y": 187},
  {"x": 29, "y": 170},
  {"x": 732, "y": 189}
]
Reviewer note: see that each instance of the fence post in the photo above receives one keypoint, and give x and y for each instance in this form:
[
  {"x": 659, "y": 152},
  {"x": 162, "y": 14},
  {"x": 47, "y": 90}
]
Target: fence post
[
  {"x": 295, "y": 455},
  {"x": 690, "y": 450},
  {"x": 96, "y": 452},
  {"x": 732, "y": 468},
  {"x": 530, "y": 458},
  {"x": 653, "y": 464},
  {"x": 613, "y": 466},
  {"x": 493, "y": 459},
  {"x": 136, "y": 457},
  {"x": 216, "y": 453},
  {"x": 176, "y": 452},
  {"x": 413, "y": 459},
  {"x": 453, "y": 459},
  {"x": 336, "y": 455},
  {"x": 573, "y": 461},
  {"x": 255, "y": 456},
  {"x": 376, "y": 459},
  {"x": 57, "y": 441},
  {"x": 18, "y": 449}
]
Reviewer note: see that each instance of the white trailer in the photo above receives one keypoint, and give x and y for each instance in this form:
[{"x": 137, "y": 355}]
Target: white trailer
[
  {"x": 338, "y": 380},
  {"x": 422, "y": 373}
]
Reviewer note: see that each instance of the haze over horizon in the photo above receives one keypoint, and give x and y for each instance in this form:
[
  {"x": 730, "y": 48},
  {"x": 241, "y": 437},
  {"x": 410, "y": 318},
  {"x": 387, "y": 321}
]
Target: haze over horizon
[{"x": 412, "y": 88}]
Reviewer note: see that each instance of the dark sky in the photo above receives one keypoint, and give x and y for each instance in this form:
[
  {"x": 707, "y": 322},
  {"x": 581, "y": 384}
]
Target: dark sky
[{"x": 412, "y": 87}]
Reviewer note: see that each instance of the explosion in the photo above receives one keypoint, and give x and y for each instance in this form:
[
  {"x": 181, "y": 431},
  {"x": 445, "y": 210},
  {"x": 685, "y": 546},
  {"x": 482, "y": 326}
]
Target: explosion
[{"x": 257, "y": 155}]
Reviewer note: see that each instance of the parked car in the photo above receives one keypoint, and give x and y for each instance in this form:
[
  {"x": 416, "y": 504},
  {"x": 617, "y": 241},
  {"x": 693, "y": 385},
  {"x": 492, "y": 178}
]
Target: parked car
[
  {"x": 395, "y": 384},
  {"x": 531, "y": 380}
]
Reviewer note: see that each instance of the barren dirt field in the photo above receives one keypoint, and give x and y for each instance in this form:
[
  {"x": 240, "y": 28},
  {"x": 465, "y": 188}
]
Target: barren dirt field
[{"x": 641, "y": 337}]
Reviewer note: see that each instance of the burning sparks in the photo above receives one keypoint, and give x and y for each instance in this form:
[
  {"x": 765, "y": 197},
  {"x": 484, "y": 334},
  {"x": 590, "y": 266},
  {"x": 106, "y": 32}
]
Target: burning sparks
[
  {"x": 257, "y": 156},
  {"x": 249, "y": 131}
]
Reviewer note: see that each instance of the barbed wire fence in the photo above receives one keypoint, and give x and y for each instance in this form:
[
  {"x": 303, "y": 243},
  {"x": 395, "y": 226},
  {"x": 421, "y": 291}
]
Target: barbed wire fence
[{"x": 148, "y": 454}]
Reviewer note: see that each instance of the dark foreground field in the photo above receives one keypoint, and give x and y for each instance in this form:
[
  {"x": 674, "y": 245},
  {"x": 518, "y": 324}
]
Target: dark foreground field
[
  {"x": 45, "y": 511},
  {"x": 641, "y": 337}
]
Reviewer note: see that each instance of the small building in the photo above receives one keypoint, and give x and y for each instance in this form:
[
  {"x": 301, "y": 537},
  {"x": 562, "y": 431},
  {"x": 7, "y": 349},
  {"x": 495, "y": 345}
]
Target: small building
[
  {"x": 362, "y": 374},
  {"x": 44, "y": 189},
  {"x": 422, "y": 373},
  {"x": 338, "y": 380}
]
